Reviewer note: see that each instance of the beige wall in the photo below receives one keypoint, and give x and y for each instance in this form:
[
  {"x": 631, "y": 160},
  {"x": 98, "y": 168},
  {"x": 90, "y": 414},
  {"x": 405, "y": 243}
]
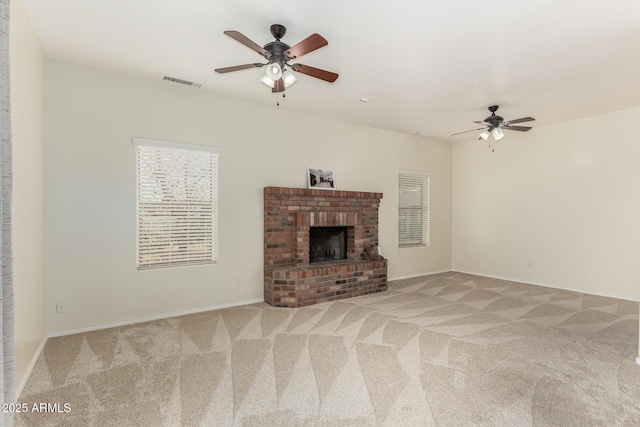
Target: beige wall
[
  {"x": 90, "y": 118},
  {"x": 558, "y": 206},
  {"x": 27, "y": 79}
]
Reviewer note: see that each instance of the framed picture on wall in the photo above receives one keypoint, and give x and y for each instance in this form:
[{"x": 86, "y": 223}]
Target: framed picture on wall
[{"x": 321, "y": 179}]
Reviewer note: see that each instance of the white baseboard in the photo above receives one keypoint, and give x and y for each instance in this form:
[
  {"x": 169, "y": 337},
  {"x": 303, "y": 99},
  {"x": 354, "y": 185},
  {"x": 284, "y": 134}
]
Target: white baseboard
[
  {"x": 545, "y": 285},
  {"x": 32, "y": 364},
  {"x": 148, "y": 319},
  {"x": 411, "y": 276}
]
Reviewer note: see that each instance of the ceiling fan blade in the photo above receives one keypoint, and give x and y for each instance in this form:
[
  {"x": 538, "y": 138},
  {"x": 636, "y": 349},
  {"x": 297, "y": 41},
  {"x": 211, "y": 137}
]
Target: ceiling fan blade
[
  {"x": 482, "y": 123},
  {"x": 278, "y": 86},
  {"x": 313, "y": 42},
  {"x": 325, "y": 75},
  {"x": 239, "y": 67},
  {"x": 239, "y": 37},
  {"x": 522, "y": 120},
  {"x": 466, "y": 131},
  {"x": 518, "y": 128}
]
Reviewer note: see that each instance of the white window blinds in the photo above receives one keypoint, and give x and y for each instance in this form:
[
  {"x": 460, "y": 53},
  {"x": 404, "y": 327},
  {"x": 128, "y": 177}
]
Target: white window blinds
[
  {"x": 413, "y": 208},
  {"x": 177, "y": 204}
]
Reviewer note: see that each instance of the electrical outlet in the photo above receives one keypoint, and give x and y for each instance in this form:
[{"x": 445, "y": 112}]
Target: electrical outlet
[
  {"x": 259, "y": 212},
  {"x": 61, "y": 307},
  {"x": 238, "y": 280}
]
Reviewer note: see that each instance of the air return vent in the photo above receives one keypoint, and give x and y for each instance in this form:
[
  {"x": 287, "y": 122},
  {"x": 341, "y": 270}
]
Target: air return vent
[{"x": 182, "y": 82}]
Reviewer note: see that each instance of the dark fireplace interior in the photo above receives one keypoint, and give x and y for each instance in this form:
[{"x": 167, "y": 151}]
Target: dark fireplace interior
[{"x": 327, "y": 243}]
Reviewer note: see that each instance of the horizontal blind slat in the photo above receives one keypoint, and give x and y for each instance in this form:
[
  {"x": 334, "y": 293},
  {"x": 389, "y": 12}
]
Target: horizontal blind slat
[
  {"x": 177, "y": 206},
  {"x": 413, "y": 208}
]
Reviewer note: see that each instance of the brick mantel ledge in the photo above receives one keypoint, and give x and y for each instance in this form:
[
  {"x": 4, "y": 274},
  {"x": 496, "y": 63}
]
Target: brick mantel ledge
[{"x": 321, "y": 193}]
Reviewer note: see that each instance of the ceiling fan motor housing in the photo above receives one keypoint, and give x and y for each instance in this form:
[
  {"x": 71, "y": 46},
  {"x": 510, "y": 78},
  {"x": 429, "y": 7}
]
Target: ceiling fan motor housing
[
  {"x": 277, "y": 50},
  {"x": 494, "y": 120}
]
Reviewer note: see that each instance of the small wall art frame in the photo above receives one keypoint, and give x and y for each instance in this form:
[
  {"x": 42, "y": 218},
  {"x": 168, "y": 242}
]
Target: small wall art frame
[{"x": 321, "y": 178}]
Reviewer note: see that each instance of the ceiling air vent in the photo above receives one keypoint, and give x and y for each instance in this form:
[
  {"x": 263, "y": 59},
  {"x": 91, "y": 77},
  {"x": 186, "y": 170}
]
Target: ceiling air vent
[{"x": 182, "y": 82}]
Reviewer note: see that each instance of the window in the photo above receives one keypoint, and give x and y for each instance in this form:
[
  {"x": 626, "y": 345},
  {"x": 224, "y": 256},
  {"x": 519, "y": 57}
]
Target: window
[
  {"x": 177, "y": 204},
  {"x": 413, "y": 208}
]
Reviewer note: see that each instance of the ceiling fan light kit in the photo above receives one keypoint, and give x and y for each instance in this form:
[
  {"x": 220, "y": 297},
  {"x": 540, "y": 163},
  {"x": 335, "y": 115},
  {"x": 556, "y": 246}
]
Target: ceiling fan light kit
[
  {"x": 274, "y": 71},
  {"x": 495, "y": 126},
  {"x": 289, "y": 79},
  {"x": 497, "y": 134},
  {"x": 278, "y": 54},
  {"x": 267, "y": 81}
]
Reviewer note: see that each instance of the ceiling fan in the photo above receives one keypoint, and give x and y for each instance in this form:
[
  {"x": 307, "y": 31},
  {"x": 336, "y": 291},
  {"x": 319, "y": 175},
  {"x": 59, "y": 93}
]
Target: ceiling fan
[
  {"x": 494, "y": 125},
  {"x": 278, "y": 54}
]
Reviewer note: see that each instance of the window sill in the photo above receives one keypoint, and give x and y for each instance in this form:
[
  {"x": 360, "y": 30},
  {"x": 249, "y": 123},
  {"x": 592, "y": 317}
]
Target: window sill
[{"x": 412, "y": 245}]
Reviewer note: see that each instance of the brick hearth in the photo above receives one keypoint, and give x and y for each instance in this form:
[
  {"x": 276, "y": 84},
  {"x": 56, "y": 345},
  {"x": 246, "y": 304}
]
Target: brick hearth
[{"x": 289, "y": 279}]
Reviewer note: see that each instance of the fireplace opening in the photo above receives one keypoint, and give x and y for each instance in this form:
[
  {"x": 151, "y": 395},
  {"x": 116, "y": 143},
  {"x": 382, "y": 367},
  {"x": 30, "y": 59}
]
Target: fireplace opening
[{"x": 327, "y": 243}]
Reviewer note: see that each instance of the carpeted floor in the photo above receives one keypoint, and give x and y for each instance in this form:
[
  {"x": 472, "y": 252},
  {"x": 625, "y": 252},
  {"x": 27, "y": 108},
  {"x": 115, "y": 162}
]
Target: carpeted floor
[{"x": 443, "y": 350}]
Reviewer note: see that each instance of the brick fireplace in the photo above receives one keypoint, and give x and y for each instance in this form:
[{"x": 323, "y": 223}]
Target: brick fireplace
[{"x": 290, "y": 279}]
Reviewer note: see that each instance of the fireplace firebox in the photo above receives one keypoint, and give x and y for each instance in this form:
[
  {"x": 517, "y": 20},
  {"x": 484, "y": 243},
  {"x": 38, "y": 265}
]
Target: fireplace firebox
[{"x": 327, "y": 243}]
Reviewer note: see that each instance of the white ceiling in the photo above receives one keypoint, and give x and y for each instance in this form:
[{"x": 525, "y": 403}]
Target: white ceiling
[{"x": 428, "y": 66}]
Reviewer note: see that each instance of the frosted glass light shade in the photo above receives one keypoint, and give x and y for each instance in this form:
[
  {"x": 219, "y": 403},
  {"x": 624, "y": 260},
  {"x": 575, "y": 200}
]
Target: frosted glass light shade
[
  {"x": 274, "y": 72},
  {"x": 268, "y": 82},
  {"x": 289, "y": 79}
]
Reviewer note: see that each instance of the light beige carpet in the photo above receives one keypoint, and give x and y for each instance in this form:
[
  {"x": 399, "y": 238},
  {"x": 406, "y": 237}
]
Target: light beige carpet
[{"x": 444, "y": 350}]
